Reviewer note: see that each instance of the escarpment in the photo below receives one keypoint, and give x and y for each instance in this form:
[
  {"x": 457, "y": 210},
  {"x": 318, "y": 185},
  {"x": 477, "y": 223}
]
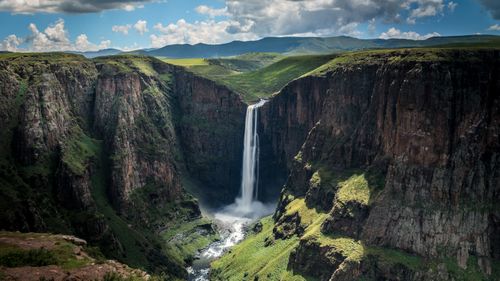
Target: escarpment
[
  {"x": 400, "y": 161},
  {"x": 99, "y": 148}
]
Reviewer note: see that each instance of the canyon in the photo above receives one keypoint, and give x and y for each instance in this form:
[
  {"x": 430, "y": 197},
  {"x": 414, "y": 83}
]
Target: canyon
[{"x": 384, "y": 164}]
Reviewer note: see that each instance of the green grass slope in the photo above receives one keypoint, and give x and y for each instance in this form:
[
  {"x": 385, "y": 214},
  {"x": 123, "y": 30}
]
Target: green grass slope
[
  {"x": 253, "y": 259},
  {"x": 266, "y": 81},
  {"x": 246, "y": 62},
  {"x": 260, "y": 83}
]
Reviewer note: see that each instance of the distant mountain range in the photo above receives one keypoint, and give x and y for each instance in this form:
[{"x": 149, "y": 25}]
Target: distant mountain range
[
  {"x": 301, "y": 45},
  {"x": 100, "y": 53}
]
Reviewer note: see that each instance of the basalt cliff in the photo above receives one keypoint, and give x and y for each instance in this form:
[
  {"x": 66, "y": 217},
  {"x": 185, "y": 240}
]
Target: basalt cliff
[
  {"x": 394, "y": 166},
  {"x": 102, "y": 149}
]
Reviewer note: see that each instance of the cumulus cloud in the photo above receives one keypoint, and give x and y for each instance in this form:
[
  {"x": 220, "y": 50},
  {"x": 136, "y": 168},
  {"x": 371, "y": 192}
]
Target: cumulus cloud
[
  {"x": 254, "y": 19},
  {"x": 141, "y": 26},
  {"x": 493, "y": 6},
  {"x": 68, "y": 6},
  {"x": 181, "y": 32},
  {"x": 211, "y": 12},
  {"x": 121, "y": 28},
  {"x": 495, "y": 27},
  {"x": 279, "y": 17},
  {"x": 52, "y": 38},
  {"x": 396, "y": 33},
  {"x": 423, "y": 8},
  {"x": 83, "y": 44},
  {"x": 317, "y": 17},
  {"x": 10, "y": 43}
]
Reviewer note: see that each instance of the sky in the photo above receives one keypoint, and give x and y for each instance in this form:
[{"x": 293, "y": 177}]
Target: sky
[{"x": 79, "y": 25}]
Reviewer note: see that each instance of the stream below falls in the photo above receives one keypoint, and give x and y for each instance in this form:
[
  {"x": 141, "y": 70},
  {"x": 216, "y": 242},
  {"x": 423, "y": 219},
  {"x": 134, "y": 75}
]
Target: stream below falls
[
  {"x": 232, "y": 225},
  {"x": 233, "y": 219}
]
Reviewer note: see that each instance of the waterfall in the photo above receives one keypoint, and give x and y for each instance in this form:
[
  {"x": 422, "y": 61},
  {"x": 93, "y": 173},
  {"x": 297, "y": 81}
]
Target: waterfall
[
  {"x": 250, "y": 169},
  {"x": 233, "y": 218}
]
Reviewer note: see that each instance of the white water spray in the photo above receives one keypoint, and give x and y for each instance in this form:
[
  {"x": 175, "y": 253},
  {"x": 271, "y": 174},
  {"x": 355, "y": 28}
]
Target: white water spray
[{"x": 250, "y": 169}]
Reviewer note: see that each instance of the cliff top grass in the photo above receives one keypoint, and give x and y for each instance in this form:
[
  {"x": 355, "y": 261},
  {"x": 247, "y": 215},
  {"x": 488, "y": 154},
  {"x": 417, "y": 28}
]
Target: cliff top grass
[
  {"x": 263, "y": 82},
  {"x": 246, "y": 62},
  {"x": 39, "y": 249},
  {"x": 127, "y": 63},
  {"x": 467, "y": 53},
  {"x": 52, "y": 57},
  {"x": 185, "y": 62}
]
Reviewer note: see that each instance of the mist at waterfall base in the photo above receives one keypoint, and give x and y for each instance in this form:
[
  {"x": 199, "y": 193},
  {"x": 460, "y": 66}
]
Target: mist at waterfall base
[
  {"x": 233, "y": 219},
  {"x": 247, "y": 205}
]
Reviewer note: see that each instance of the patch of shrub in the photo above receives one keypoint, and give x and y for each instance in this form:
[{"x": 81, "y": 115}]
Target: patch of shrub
[{"x": 36, "y": 257}]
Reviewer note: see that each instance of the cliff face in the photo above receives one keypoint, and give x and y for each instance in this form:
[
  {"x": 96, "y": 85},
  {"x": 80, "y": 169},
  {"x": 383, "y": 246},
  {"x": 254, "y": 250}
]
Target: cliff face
[
  {"x": 133, "y": 116},
  {"x": 210, "y": 120},
  {"x": 402, "y": 157},
  {"x": 284, "y": 123},
  {"x": 39, "y": 122},
  {"x": 106, "y": 149}
]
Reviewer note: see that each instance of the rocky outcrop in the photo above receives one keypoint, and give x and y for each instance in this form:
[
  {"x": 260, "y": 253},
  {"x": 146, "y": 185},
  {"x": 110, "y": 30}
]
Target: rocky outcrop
[
  {"x": 422, "y": 127},
  {"x": 39, "y": 256}
]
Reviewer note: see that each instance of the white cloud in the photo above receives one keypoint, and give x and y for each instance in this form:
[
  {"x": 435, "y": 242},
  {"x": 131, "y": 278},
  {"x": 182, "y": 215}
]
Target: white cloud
[
  {"x": 396, "y": 33},
  {"x": 82, "y": 44},
  {"x": 68, "y": 6},
  {"x": 57, "y": 33},
  {"x": 132, "y": 7},
  {"x": 211, "y": 12},
  {"x": 495, "y": 27},
  {"x": 181, "y": 32},
  {"x": 452, "y": 6},
  {"x": 121, "y": 28},
  {"x": 253, "y": 19},
  {"x": 423, "y": 8},
  {"x": 141, "y": 26},
  {"x": 10, "y": 43},
  {"x": 53, "y": 38}
]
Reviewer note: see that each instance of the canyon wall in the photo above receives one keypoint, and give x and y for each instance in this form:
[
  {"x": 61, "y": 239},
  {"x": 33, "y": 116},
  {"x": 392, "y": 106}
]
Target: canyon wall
[
  {"x": 400, "y": 156},
  {"x": 210, "y": 120},
  {"x": 102, "y": 149}
]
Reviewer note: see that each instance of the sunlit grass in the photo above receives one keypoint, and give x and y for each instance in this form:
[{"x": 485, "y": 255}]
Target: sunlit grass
[{"x": 185, "y": 62}]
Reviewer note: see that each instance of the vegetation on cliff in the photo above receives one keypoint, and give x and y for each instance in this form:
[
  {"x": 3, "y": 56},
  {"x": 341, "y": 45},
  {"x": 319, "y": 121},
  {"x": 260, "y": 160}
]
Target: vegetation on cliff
[{"x": 254, "y": 76}]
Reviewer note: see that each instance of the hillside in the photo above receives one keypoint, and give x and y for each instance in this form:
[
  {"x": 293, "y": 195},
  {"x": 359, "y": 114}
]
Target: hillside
[{"x": 254, "y": 76}]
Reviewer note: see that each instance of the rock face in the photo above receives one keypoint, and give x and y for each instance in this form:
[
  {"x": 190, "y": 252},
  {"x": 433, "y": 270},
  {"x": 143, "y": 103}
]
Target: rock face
[
  {"x": 211, "y": 126},
  {"x": 422, "y": 128},
  {"x": 101, "y": 149}
]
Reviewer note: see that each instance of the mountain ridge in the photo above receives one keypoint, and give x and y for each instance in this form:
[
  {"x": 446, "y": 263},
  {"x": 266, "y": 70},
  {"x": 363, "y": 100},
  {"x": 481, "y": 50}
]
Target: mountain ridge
[{"x": 295, "y": 45}]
